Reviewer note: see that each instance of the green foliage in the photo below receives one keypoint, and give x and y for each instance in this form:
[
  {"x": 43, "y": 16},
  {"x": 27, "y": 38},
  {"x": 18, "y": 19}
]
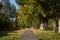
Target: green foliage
[
  {"x": 21, "y": 24},
  {"x": 4, "y": 22},
  {"x": 1, "y": 5},
  {"x": 50, "y": 24},
  {"x": 29, "y": 10},
  {"x": 8, "y": 11},
  {"x": 41, "y": 9}
]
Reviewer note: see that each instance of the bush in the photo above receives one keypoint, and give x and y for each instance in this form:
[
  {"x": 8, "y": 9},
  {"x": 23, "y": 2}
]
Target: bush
[
  {"x": 50, "y": 24},
  {"x": 21, "y": 24}
]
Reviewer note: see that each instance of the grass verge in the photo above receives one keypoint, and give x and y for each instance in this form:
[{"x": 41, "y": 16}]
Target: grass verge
[
  {"x": 46, "y": 35},
  {"x": 11, "y": 35}
]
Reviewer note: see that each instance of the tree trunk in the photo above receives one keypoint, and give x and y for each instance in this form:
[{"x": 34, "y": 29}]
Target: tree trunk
[
  {"x": 32, "y": 23},
  {"x": 42, "y": 26},
  {"x": 46, "y": 25},
  {"x": 59, "y": 25},
  {"x": 54, "y": 28}
]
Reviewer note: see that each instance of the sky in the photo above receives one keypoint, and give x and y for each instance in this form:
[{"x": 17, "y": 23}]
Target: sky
[{"x": 14, "y": 3}]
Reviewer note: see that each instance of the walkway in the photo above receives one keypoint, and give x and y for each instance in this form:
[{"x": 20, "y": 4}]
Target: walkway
[{"x": 29, "y": 35}]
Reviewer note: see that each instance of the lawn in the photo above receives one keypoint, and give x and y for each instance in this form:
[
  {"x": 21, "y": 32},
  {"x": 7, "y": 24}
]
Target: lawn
[
  {"x": 11, "y": 35},
  {"x": 46, "y": 35}
]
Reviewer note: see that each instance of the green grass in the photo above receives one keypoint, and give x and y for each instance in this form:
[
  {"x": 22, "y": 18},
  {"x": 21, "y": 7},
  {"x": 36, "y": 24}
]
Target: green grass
[
  {"x": 46, "y": 35},
  {"x": 41, "y": 34},
  {"x": 12, "y": 35},
  {"x": 9, "y": 36}
]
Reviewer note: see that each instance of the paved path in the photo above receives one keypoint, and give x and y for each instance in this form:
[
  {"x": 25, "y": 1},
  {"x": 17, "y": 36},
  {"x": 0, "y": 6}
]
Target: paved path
[{"x": 29, "y": 35}]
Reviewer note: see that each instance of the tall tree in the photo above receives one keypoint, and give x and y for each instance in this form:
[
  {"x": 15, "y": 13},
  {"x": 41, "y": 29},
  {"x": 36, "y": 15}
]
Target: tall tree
[
  {"x": 8, "y": 10},
  {"x": 32, "y": 8},
  {"x": 1, "y": 6}
]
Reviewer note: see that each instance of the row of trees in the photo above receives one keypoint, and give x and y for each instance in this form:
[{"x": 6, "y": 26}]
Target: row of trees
[{"x": 38, "y": 12}]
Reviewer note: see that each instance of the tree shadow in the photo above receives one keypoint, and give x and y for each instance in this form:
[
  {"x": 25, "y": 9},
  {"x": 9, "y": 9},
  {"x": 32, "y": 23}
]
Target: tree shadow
[
  {"x": 3, "y": 33},
  {"x": 40, "y": 39},
  {"x": 5, "y": 28}
]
